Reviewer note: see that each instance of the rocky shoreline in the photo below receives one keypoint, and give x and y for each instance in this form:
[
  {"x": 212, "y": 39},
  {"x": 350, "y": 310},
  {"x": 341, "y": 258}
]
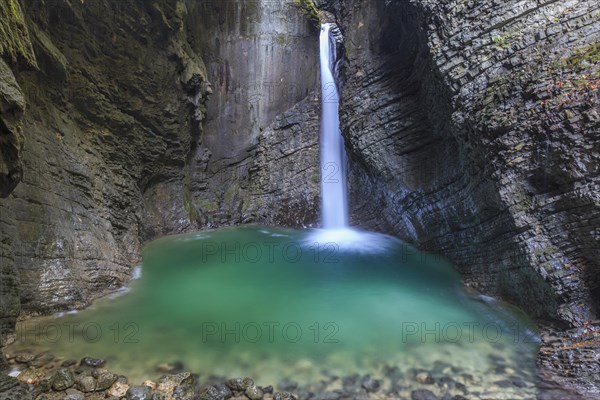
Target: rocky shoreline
[{"x": 43, "y": 376}]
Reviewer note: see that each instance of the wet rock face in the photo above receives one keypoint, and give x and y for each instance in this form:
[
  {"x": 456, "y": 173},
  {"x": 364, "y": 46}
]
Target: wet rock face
[
  {"x": 118, "y": 140},
  {"x": 471, "y": 131},
  {"x": 285, "y": 173},
  {"x": 12, "y": 106},
  {"x": 16, "y": 49},
  {"x": 105, "y": 120},
  {"x": 261, "y": 59}
]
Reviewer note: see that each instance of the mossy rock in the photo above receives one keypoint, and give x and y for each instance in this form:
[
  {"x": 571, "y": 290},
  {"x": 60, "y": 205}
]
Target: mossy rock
[
  {"x": 15, "y": 43},
  {"x": 309, "y": 10}
]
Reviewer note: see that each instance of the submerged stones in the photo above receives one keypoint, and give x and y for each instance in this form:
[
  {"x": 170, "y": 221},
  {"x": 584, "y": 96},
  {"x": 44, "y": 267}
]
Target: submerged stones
[
  {"x": 72, "y": 394},
  {"x": 139, "y": 393},
  {"x": 119, "y": 389},
  {"x": 239, "y": 384},
  {"x": 423, "y": 394},
  {"x": 212, "y": 393},
  {"x": 425, "y": 378},
  {"x": 284, "y": 396},
  {"x": 62, "y": 380},
  {"x": 170, "y": 368},
  {"x": 31, "y": 375},
  {"x": 223, "y": 391},
  {"x": 104, "y": 378},
  {"x": 85, "y": 383},
  {"x": 442, "y": 381},
  {"x": 254, "y": 393},
  {"x": 288, "y": 385},
  {"x": 370, "y": 384},
  {"x": 92, "y": 362}
]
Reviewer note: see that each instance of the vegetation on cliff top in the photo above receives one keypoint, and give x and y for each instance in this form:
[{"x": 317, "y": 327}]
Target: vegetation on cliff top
[{"x": 309, "y": 10}]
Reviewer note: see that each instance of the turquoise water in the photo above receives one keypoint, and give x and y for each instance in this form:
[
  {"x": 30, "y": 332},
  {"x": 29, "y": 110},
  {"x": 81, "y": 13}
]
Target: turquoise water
[{"x": 273, "y": 303}]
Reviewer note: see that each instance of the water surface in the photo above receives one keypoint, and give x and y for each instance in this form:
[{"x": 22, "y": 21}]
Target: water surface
[{"x": 274, "y": 303}]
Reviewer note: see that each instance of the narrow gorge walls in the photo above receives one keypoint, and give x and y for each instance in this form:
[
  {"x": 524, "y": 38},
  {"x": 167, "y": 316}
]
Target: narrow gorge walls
[
  {"x": 454, "y": 115},
  {"x": 105, "y": 112},
  {"x": 262, "y": 59},
  {"x": 112, "y": 135},
  {"x": 473, "y": 130},
  {"x": 17, "y": 50}
]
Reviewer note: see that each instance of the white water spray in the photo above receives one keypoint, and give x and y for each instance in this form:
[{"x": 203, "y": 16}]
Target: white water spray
[{"x": 334, "y": 206}]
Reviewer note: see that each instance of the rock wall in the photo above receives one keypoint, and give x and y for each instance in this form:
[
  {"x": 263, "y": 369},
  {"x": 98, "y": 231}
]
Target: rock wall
[
  {"x": 285, "y": 173},
  {"x": 490, "y": 163},
  {"x": 109, "y": 113},
  {"x": 262, "y": 59},
  {"x": 473, "y": 132},
  {"x": 111, "y": 126},
  {"x": 16, "y": 48}
]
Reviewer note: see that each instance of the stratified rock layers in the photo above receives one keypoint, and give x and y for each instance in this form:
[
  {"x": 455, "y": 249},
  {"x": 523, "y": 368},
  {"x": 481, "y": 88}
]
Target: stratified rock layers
[
  {"x": 485, "y": 147},
  {"x": 473, "y": 131},
  {"x": 108, "y": 113},
  {"x": 118, "y": 146}
]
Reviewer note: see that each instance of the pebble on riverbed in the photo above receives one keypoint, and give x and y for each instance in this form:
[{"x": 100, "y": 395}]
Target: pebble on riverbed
[{"x": 56, "y": 379}]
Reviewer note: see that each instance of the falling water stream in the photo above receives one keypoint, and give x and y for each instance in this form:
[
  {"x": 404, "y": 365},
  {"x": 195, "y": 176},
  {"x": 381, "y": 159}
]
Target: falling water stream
[
  {"x": 275, "y": 303},
  {"x": 334, "y": 204}
]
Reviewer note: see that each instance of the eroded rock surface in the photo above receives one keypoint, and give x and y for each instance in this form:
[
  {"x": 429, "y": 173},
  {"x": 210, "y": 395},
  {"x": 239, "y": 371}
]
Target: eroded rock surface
[
  {"x": 473, "y": 132},
  {"x": 105, "y": 117},
  {"x": 116, "y": 136}
]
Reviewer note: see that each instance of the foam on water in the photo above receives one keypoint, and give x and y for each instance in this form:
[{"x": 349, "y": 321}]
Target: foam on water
[{"x": 352, "y": 240}]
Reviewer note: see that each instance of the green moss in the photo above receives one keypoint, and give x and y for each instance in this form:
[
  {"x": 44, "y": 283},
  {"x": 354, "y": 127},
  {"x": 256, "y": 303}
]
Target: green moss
[
  {"x": 503, "y": 41},
  {"x": 282, "y": 39},
  {"x": 49, "y": 47},
  {"x": 13, "y": 9},
  {"x": 309, "y": 10},
  {"x": 231, "y": 192},
  {"x": 207, "y": 205},
  {"x": 163, "y": 17},
  {"x": 188, "y": 204},
  {"x": 247, "y": 202},
  {"x": 589, "y": 54},
  {"x": 14, "y": 36}
]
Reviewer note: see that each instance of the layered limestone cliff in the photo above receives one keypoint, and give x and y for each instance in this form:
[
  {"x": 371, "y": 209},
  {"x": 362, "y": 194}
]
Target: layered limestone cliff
[
  {"x": 107, "y": 112},
  {"x": 473, "y": 132},
  {"x": 17, "y": 50},
  {"x": 261, "y": 58},
  {"x": 111, "y": 126}
]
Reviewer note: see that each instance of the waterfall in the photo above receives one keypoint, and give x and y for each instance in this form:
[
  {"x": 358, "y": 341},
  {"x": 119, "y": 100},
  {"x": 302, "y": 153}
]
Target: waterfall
[
  {"x": 334, "y": 205},
  {"x": 336, "y": 233}
]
